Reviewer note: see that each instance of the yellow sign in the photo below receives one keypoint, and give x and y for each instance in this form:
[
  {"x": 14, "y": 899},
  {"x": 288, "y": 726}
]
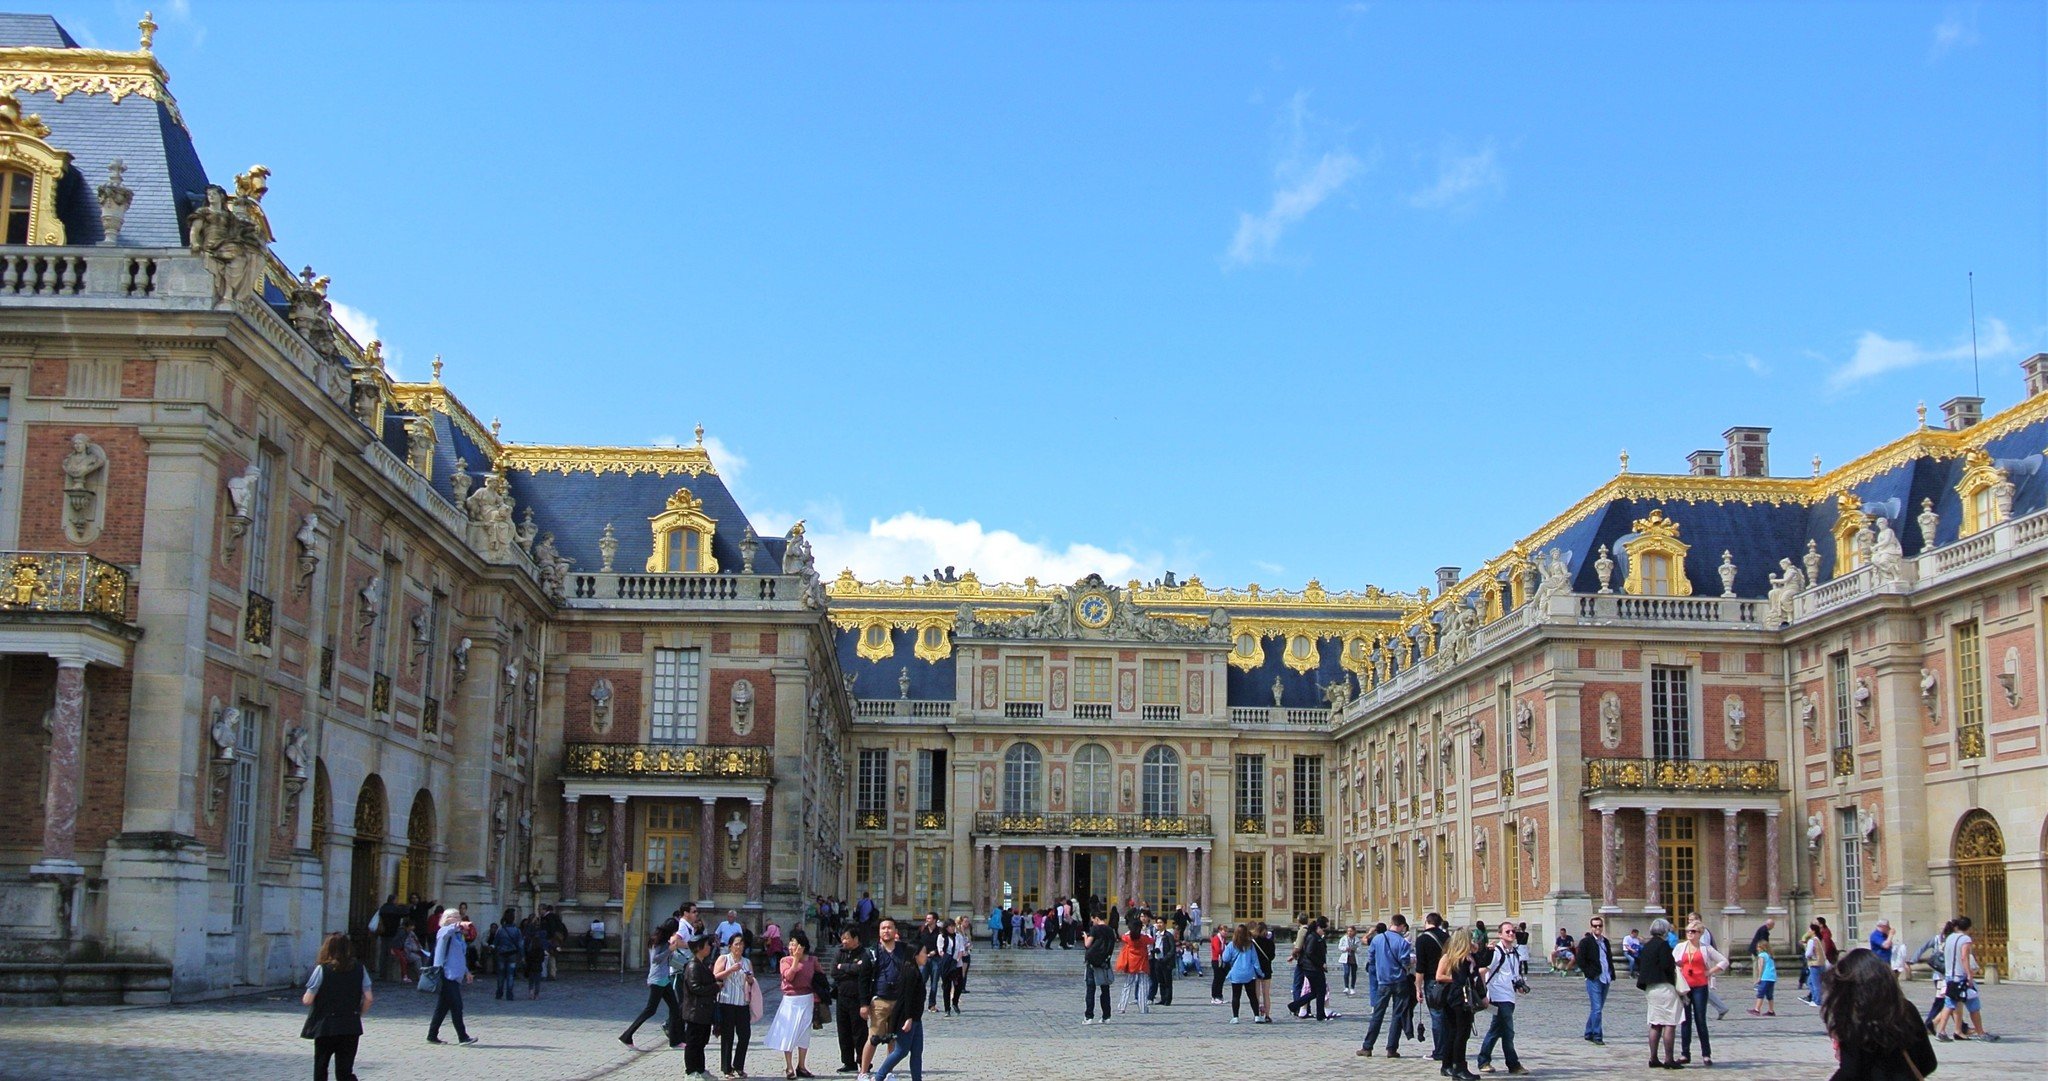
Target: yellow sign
[{"x": 635, "y": 882}]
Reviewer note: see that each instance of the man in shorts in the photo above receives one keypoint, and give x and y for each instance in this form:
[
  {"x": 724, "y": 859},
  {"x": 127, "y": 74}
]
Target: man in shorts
[{"x": 891, "y": 958}]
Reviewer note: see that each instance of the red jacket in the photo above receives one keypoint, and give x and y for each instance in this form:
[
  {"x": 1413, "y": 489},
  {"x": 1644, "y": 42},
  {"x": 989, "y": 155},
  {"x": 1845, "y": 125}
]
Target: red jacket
[{"x": 1137, "y": 945}]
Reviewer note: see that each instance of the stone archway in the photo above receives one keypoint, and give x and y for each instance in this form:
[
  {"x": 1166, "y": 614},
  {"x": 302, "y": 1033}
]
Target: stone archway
[
  {"x": 365, "y": 867},
  {"x": 1979, "y": 853},
  {"x": 415, "y": 871}
]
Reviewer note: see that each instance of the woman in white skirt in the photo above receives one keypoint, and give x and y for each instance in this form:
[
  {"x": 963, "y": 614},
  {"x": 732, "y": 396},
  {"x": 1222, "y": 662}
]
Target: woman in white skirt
[{"x": 790, "y": 1032}]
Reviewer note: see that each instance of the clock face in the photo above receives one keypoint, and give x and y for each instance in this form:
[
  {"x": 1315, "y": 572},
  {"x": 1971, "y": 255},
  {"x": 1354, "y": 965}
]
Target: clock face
[{"x": 1092, "y": 610}]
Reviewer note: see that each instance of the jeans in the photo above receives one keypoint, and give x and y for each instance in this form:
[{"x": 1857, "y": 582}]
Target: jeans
[
  {"x": 658, "y": 995},
  {"x": 533, "y": 970},
  {"x": 1394, "y": 995},
  {"x": 735, "y": 1031},
  {"x": 1596, "y": 1001},
  {"x": 1695, "y": 1017},
  {"x": 1436, "y": 1033},
  {"x": 1097, "y": 984},
  {"x": 342, "y": 1049},
  {"x": 508, "y": 978},
  {"x": 931, "y": 982},
  {"x": 908, "y": 1045},
  {"x": 449, "y": 1005},
  {"x": 1318, "y": 986},
  {"x": 1350, "y": 976},
  {"x": 1502, "y": 1031}
]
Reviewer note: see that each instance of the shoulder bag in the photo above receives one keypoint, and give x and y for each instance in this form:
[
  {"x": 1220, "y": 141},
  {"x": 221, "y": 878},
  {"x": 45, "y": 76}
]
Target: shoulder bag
[{"x": 430, "y": 980}]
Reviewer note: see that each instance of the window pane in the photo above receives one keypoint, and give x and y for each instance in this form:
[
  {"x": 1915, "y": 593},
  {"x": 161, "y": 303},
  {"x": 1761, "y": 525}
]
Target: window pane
[{"x": 675, "y": 696}]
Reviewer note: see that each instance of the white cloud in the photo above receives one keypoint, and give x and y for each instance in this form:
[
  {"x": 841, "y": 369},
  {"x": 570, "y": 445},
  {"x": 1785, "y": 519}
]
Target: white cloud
[
  {"x": 916, "y": 544},
  {"x": 1460, "y": 178},
  {"x": 1877, "y": 354},
  {"x": 1751, "y": 361},
  {"x": 1304, "y": 177},
  {"x": 362, "y": 326},
  {"x": 1956, "y": 30}
]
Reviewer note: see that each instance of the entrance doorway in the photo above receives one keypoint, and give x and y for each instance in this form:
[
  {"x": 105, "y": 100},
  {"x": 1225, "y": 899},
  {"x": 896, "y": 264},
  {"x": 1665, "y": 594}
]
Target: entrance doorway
[
  {"x": 1980, "y": 885},
  {"x": 1091, "y": 878},
  {"x": 364, "y": 879},
  {"x": 1159, "y": 880}
]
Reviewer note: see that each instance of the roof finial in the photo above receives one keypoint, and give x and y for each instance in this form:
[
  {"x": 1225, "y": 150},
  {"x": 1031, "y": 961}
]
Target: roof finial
[
  {"x": 1921, "y": 412},
  {"x": 494, "y": 429},
  {"x": 1816, "y": 465},
  {"x": 700, "y": 435},
  {"x": 148, "y": 28},
  {"x": 1624, "y": 459},
  {"x": 437, "y": 369}
]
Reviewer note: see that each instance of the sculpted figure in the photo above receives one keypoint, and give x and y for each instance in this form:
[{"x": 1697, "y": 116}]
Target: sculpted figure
[
  {"x": 527, "y": 530},
  {"x": 796, "y": 551},
  {"x": 1278, "y": 690},
  {"x": 1557, "y": 577},
  {"x": 1929, "y": 522},
  {"x": 242, "y": 490},
  {"x": 84, "y": 459},
  {"x": 295, "y": 749},
  {"x": 312, "y": 547},
  {"x": 231, "y": 246},
  {"x": 1815, "y": 830},
  {"x": 227, "y": 724},
  {"x": 1887, "y": 557},
  {"x": 459, "y": 482}
]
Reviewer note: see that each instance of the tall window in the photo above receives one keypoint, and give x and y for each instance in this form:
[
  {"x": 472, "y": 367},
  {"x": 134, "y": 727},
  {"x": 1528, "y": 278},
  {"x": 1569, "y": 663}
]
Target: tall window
[
  {"x": 1678, "y": 862},
  {"x": 437, "y": 602},
  {"x": 1969, "y": 692},
  {"x": 1091, "y": 782},
  {"x": 1162, "y": 683},
  {"x": 1022, "y": 874},
  {"x": 871, "y": 873},
  {"x": 1656, "y": 575},
  {"x": 1511, "y": 867},
  {"x": 380, "y": 631},
  {"x": 1251, "y": 788},
  {"x": 267, "y": 466},
  {"x": 668, "y": 844},
  {"x": 1308, "y": 883},
  {"x": 1308, "y": 794},
  {"x": 242, "y": 809},
  {"x": 1503, "y": 709},
  {"x": 1248, "y": 885},
  {"x": 931, "y": 780},
  {"x": 1024, "y": 679},
  {"x": 1022, "y": 768},
  {"x": 1159, "y": 879},
  {"x": 17, "y": 201},
  {"x": 676, "y": 673},
  {"x": 1091, "y": 680},
  {"x": 1845, "y": 732},
  {"x": 928, "y": 880},
  {"x": 1852, "y": 872},
  {"x": 871, "y": 784},
  {"x": 1161, "y": 791},
  {"x": 1670, "y": 712}
]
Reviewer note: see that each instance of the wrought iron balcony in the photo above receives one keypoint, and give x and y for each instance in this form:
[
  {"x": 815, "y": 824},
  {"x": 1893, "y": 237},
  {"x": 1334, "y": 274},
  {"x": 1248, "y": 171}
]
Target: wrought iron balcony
[
  {"x": 1037, "y": 823},
  {"x": 258, "y": 619},
  {"x": 1249, "y": 824},
  {"x": 1308, "y": 825},
  {"x": 1682, "y": 775},
  {"x": 665, "y": 760},
  {"x": 870, "y": 820},
  {"x": 65, "y": 582},
  {"x": 930, "y": 820}
]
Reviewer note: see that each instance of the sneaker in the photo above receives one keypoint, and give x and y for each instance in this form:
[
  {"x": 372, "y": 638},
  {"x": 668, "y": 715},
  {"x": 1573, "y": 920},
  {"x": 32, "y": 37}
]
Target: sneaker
[
  {"x": 436, "y": 1039},
  {"x": 470, "y": 1041},
  {"x": 1236, "y": 1020},
  {"x": 1219, "y": 1002}
]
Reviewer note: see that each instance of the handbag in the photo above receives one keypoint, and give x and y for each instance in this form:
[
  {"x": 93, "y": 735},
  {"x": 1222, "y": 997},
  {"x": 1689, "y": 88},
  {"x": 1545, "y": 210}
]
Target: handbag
[
  {"x": 311, "y": 1029},
  {"x": 430, "y": 980},
  {"x": 1475, "y": 993},
  {"x": 1433, "y": 995}
]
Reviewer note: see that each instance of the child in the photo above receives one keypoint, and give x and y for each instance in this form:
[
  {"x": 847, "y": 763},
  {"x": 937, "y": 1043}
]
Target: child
[{"x": 1766, "y": 982}]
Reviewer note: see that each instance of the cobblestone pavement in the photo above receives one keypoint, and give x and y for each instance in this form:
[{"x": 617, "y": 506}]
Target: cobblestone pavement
[{"x": 1021, "y": 1025}]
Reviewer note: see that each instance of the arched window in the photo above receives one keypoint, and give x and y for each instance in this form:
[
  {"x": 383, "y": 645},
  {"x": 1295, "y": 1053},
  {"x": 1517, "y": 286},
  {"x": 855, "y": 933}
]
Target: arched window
[
  {"x": 1160, "y": 793},
  {"x": 682, "y": 537},
  {"x": 1656, "y": 559},
  {"x": 1092, "y": 787},
  {"x": 1023, "y": 770}
]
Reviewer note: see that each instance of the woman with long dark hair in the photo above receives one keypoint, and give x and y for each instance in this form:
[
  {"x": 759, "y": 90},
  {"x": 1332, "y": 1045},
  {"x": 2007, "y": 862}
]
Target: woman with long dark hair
[
  {"x": 339, "y": 993},
  {"x": 1878, "y": 1035},
  {"x": 661, "y": 949}
]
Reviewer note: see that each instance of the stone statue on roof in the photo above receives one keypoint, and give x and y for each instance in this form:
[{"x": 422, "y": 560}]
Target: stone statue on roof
[
  {"x": 1887, "y": 556},
  {"x": 526, "y": 531},
  {"x": 490, "y": 518},
  {"x": 1778, "y": 599},
  {"x": 229, "y": 245},
  {"x": 250, "y": 188},
  {"x": 796, "y": 551}
]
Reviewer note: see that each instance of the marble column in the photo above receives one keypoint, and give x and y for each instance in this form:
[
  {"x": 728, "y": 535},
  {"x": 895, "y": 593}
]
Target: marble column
[
  {"x": 757, "y": 853},
  {"x": 707, "y": 853},
  {"x": 1608, "y": 871},
  {"x": 1045, "y": 879},
  {"x": 1774, "y": 901},
  {"x": 617, "y": 854},
  {"x": 569, "y": 862},
  {"x": 1731, "y": 898},
  {"x": 1187, "y": 874},
  {"x": 987, "y": 858},
  {"x": 66, "y": 772},
  {"x": 1653, "y": 884}
]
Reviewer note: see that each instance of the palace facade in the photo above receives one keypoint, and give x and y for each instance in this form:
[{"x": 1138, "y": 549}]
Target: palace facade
[{"x": 282, "y": 634}]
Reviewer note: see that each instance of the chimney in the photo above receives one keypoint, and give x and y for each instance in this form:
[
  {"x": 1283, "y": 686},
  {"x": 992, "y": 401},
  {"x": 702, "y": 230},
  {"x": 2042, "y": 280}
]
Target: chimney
[
  {"x": 1962, "y": 411},
  {"x": 2036, "y": 368},
  {"x": 1749, "y": 452},
  {"x": 1446, "y": 577},
  {"x": 1705, "y": 463}
]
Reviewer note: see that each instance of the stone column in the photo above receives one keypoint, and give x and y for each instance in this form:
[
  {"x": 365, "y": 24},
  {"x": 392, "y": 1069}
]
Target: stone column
[
  {"x": 707, "y": 853},
  {"x": 986, "y": 857},
  {"x": 1774, "y": 900},
  {"x": 569, "y": 863},
  {"x": 1045, "y": 880},
  {"x": 67, "y": 772},
  {"x": 1187, "y": 874},
  {"x": 1731, "y": 898},
  {"x": 1653, "y": 885},
  {"x": 616, "y": 857},
  {"x": 757, "y": 852},
  {"x": 1608, "y": 876}
]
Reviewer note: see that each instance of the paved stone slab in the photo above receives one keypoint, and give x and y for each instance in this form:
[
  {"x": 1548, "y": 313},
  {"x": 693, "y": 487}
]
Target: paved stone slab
[{"x": 1022, "y": 1025}]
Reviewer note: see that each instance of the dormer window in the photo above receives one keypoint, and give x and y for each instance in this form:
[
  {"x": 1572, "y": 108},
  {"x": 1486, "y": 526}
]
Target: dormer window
[
  {"x": 682, "y": 537},
  {"x": 30, "y": 170},
  {"x": 17, "y": 205},
  {"x": 1656, "y": 559}
]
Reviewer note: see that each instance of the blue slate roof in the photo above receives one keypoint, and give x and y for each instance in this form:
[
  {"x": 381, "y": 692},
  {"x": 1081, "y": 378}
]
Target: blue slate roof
[
  {"x": 163, "y": 170},
  {"x": 878, "y": 679}
]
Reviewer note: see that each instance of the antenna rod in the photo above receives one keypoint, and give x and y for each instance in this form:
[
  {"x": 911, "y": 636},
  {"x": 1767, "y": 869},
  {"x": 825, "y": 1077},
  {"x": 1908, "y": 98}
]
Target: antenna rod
[{"x": 1976, "y": 381}]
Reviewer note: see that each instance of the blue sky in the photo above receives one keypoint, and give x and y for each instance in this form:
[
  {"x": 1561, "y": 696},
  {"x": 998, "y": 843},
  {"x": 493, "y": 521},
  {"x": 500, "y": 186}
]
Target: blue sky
[{"x": 1259, "y": 292}]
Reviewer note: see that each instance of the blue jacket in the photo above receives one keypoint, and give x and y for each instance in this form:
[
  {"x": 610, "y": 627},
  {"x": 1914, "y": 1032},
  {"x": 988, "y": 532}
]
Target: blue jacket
[
  {"x": 1390, "y": 955},
  {"x": 1243, "y": 965},
  {"x": 451, "y": 952}
]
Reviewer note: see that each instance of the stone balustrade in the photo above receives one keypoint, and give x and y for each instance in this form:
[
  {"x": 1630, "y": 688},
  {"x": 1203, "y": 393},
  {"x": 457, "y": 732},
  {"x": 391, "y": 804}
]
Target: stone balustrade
[{"x": 734, "y": 592}]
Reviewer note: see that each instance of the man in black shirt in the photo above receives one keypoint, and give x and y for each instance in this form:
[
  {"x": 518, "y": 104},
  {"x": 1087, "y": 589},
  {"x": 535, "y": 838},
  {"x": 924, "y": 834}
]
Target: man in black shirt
[
  {"x": 894, "y": 965},
  {"x": 1101, "y": 950},
  {"x": 1429, "y": 951},
  {"x": 853, "y": 987},
  {"x": 1312, "y": 961},
  {"x": 1165, "y": 950}
]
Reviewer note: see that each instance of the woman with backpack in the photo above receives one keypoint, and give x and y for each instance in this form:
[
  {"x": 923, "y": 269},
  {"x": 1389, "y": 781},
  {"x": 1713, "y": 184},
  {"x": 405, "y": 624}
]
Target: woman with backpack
[
  {"x": 1461, "y": 994},
  {"x": 508, "y": 947},
  {"x": 536, "y": 935},
  {"x": 339, "y": 993}
]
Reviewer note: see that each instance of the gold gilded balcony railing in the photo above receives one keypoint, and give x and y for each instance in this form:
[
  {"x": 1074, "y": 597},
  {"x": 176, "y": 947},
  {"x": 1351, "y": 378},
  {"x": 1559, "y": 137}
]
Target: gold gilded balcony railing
[
  {"x": 1250, "y": 824},
  {"x": 870, "y": 820},
  {"x": 1091, "y": 825},
  {"x": 1306, "y": 825},
  {"x": 929, "y": 820},
  {"x": 62, "y": 582},
  {"x": 1682, "y": 774},
  {"x": 664, "y": 760}
]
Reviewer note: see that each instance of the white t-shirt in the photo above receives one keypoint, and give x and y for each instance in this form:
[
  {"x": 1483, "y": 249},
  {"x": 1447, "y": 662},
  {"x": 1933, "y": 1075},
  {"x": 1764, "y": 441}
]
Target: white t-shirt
[
  {"x": 1952, "y": 956},
  {"x": 1500, "y": 980}
]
